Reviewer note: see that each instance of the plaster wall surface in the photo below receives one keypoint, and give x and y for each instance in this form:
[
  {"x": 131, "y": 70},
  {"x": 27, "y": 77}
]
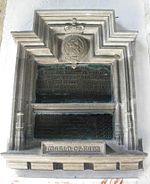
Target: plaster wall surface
[{"x": 130, "y": 15}]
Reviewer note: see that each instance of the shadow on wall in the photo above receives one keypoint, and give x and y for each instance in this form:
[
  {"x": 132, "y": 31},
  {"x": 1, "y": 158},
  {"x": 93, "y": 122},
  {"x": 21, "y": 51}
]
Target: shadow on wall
[{"x": 121, "y": 28}]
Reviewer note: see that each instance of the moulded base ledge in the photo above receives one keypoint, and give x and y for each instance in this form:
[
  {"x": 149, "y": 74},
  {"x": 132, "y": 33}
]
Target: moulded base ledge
[{"x": 111, "y": 162}]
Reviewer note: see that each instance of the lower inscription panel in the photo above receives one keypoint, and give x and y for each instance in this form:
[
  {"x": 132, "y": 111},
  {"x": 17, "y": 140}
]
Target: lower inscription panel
[{"x": 73, "y": 126}]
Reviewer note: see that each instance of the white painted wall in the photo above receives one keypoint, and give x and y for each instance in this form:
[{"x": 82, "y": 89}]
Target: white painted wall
[{"x": 131, "y": 13}]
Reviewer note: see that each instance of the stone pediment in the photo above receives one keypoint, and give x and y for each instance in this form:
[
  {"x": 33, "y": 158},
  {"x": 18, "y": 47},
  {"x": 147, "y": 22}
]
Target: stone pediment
[{"x": 97, "y": 27}]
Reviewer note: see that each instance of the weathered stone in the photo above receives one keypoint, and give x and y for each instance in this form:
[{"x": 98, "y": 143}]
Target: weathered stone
[
  {"x": 41, "y": 166},
  {"x": 105, "y": 166},
  {"x": 129, "y": 166},
  {"x": 73, "y": 167}
]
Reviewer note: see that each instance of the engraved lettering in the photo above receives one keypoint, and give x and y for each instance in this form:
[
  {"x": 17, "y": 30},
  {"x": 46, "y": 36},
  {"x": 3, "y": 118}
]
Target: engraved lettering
[{"x": 49, "y": 148}]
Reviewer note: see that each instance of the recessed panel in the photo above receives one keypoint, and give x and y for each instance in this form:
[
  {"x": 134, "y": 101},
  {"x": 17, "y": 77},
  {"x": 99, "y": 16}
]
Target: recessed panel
[
  {"x": 63, "y": 84},
  {"x": 73, "y": 126}
]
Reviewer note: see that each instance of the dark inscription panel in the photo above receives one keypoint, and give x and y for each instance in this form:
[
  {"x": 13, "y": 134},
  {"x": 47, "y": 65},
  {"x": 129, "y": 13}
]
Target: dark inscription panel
[
  {"x": 73, "y": 126},
  {"x": 61, "y": 83}
]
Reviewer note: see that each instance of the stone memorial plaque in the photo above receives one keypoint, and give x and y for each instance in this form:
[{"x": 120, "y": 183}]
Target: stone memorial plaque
[
  {"x": 74, "y": 95},
  {"x": 73, "y": 147}
]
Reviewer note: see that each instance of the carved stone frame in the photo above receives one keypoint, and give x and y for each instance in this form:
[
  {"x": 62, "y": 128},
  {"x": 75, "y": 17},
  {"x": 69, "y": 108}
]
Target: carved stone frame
[{"x": 105, "y": 46}]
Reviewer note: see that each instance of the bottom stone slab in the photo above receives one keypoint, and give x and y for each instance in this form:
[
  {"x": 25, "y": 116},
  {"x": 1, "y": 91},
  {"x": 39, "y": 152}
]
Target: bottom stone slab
[{"x": 108, "y": 162}]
